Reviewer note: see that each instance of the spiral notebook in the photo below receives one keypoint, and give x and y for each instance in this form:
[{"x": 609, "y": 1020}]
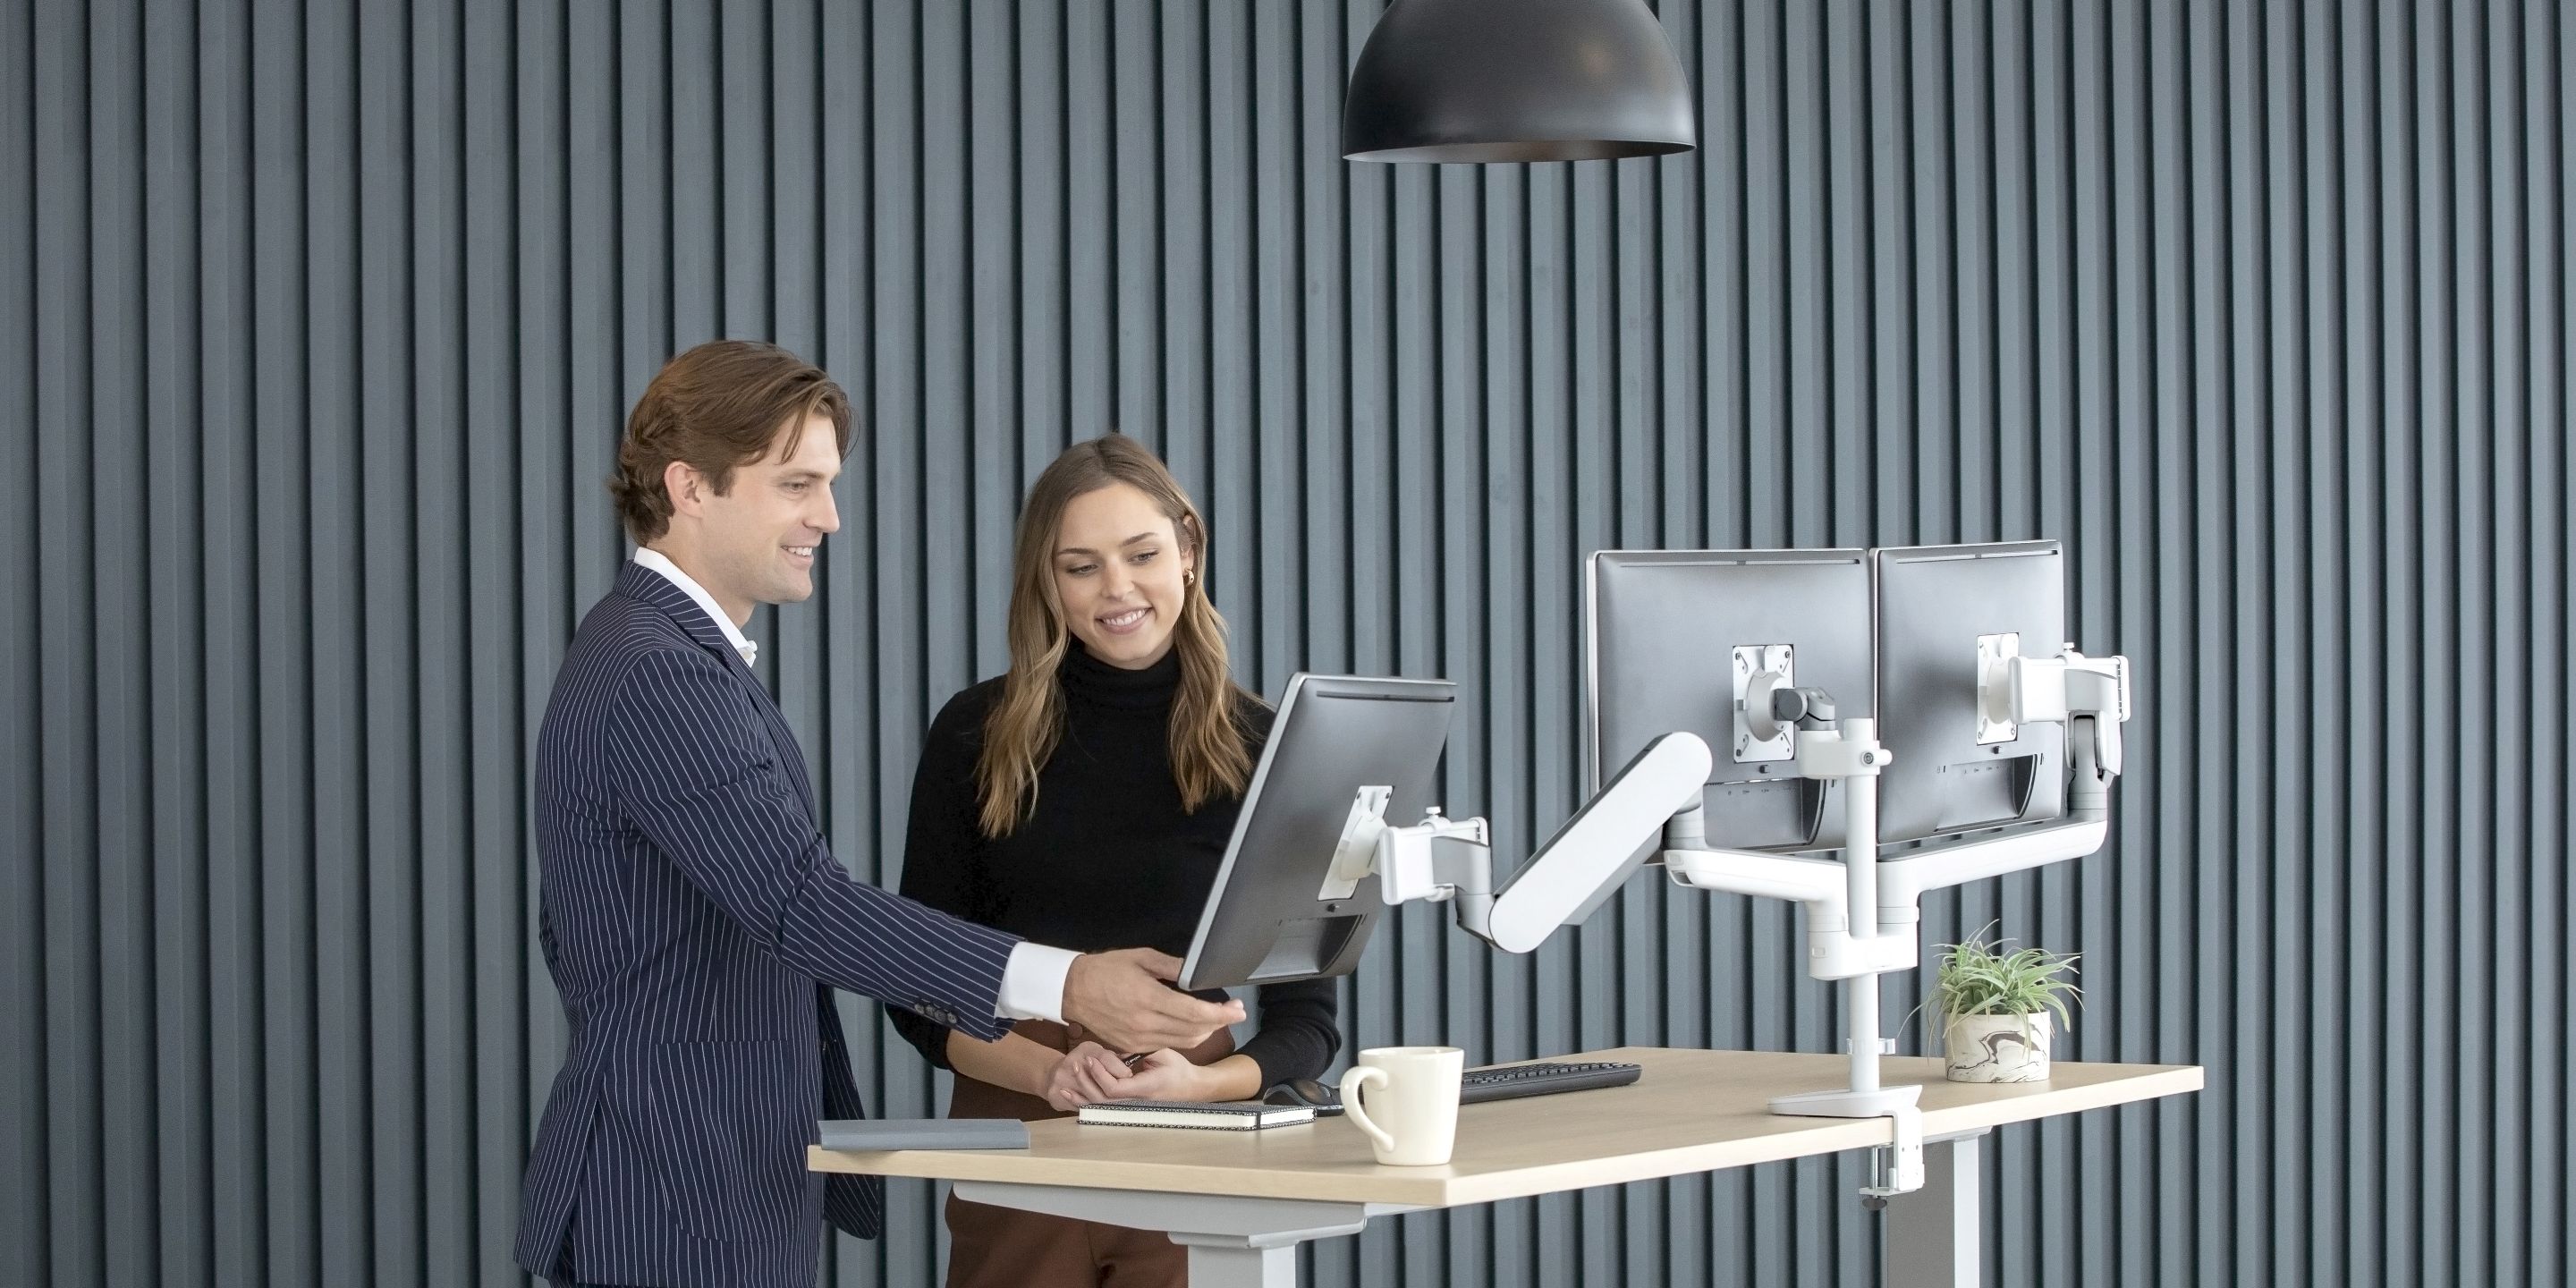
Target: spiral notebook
[{"x": 1203, "y": 1115}]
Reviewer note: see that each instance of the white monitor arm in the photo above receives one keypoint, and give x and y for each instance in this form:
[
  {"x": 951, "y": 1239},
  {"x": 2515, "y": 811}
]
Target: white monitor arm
[
  {"x": 1653, "y": 802},
  {"x": 2090, "y": 696},
  {"x": 1451, "y": 860}
]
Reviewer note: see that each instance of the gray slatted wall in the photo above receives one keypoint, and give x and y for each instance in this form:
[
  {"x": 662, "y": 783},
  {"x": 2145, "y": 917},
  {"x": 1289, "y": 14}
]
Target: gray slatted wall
[{"x": 319, "y": 322}]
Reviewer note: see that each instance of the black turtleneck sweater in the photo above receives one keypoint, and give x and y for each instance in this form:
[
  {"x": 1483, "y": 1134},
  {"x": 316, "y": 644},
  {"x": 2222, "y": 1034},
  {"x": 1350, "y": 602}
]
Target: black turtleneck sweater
[{"x": 1108, "y": 860}]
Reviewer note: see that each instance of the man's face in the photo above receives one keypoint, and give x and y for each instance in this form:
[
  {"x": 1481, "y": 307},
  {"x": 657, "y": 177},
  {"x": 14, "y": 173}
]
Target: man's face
[{"x": 758, "y": 540}]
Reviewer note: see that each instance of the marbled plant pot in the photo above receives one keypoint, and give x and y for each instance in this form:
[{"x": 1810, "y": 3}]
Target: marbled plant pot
[{"x": 1999, "y": 1048}]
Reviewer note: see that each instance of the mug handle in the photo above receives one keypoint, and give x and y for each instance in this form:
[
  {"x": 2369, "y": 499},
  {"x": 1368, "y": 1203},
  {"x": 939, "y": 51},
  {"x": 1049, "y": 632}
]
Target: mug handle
[{"x": 1360, "y": 1076}]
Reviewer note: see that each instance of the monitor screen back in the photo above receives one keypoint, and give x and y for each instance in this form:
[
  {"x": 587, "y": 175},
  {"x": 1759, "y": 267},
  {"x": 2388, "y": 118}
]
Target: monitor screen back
[
  {"x": 1265, "y": 920},
  {"x": 1662, "y": 627},
  {"x": 1934, "y": 603}
]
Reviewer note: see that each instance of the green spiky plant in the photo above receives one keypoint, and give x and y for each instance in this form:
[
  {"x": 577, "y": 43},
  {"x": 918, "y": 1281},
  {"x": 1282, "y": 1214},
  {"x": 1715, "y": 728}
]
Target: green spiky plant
[{"x": 1979, "y": 978}]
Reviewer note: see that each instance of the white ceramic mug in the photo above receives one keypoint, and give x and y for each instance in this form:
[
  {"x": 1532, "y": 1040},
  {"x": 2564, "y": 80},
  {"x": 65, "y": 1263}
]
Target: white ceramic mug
[{"x": 1413, "y": 1092}]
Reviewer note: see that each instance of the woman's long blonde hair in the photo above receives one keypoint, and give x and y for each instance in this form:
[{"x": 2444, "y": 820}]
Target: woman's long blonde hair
[{"x": 1209, "y": 759}]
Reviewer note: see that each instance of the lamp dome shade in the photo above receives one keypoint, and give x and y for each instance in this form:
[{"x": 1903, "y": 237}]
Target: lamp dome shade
[{"x": 1516, "y": 80}]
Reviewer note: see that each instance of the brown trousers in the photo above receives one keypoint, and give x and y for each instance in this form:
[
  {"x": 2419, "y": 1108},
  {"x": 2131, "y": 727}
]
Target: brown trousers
[{"x": 997, "y": 1247}]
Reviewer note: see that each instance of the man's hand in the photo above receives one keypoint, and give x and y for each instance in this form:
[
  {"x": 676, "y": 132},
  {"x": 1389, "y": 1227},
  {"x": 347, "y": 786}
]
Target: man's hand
[{"x": 1123, "y": 999}]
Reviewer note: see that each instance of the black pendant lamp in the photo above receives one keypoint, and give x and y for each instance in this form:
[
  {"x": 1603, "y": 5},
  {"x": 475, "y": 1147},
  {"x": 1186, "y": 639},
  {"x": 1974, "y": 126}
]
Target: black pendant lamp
[{"x": 1516, "y": 80}]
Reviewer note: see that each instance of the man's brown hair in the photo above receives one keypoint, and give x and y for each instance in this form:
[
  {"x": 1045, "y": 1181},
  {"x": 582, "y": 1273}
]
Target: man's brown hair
[{"x": 717, "y": 406}]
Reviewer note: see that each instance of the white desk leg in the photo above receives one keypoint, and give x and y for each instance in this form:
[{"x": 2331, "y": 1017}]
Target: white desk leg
[
  {"x": 1220, "y": 1261},
  {"x": 1933, "y": 1233},
  {"x": 1233, "y": 1242}
]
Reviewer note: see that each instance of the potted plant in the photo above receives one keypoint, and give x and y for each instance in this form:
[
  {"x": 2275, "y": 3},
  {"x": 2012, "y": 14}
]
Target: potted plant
[{"x": 1995, "y": 1008}]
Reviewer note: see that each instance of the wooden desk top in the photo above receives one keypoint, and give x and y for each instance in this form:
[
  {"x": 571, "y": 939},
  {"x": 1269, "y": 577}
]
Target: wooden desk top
[{"x": 1692, "y": 1111}]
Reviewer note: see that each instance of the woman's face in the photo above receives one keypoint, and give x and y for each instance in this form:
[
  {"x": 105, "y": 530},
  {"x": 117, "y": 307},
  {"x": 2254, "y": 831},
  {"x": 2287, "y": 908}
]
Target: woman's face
[{"x": 1119, "y": 572}]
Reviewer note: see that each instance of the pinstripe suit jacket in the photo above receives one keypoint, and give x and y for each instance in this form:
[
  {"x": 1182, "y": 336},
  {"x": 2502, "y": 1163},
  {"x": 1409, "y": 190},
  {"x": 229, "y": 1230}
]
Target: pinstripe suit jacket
[{"x": 695, "y": 923}]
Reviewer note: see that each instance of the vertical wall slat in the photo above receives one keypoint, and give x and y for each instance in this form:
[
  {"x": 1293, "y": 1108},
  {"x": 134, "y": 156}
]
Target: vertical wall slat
[
  {"x": 1133, "y": 120},
  {"x": 948, "y": 394},
  {"x": 994, "y": 336},
  {"x": 486, "y": 1063},
  {"x": 2501, "y": 583},
  {"x": 2438, "y": 630},
  {"x": 2405, "y": 317},
  {"x": 241, "y": 1182},
  {"x": 389, "y": 299},
  {"x": 445, "y": 616},
  {"x": 696, "y": 143},
  {"x": 2326, "y": 480},
  {"x": 337, "y": 521},
  {"x": 2358, "y": 216},
  {"x": 280, "y": 458},
  {"x": 27, "y": 1227},
  {"x": 2551, "y": 625},
  {"x": 67, "y": 708},
  {"x": 176, "y": 623},
  {"x": 122, "y": 776},
  {"x": 2286, "y": 504},
  {"x": 2471, "y": 641}
]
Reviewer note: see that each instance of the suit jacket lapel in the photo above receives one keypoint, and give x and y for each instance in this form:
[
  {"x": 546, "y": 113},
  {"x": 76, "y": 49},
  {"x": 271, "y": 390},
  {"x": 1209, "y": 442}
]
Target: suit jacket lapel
[{"x": 653, "y": 588}]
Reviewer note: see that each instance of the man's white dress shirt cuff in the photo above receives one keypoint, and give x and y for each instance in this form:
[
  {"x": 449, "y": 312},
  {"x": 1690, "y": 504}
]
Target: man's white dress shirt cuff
[{"x": 1033, "y": 983}]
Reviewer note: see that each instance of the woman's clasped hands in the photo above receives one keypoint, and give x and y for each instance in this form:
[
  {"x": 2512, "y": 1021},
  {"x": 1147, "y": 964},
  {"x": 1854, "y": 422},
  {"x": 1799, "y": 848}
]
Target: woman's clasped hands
[{"x": 1091, "y": 1073}]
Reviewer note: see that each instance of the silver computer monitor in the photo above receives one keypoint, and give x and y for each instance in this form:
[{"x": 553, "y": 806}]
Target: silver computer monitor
[
  {"x": 1671, "y": 637},
  {"x": 1266, "y": 920},
  {"x": 1942, "y": 612}
]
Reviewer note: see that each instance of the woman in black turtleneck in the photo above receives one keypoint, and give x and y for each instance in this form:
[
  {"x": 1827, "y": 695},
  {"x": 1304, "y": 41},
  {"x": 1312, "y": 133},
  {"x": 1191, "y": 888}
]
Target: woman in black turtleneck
[{"x": 1084, "y": 799}]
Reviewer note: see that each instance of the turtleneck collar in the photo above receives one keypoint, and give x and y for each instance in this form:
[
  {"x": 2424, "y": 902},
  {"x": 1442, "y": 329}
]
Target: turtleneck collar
[{"x": 1088, "y": 679}]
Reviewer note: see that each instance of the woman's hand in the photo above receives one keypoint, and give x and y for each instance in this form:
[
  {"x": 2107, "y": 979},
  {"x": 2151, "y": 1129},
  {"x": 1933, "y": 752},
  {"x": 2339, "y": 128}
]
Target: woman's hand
[
  {"x": 1163, "y": 1075},
  {"x": 1082, "y": 1077}
]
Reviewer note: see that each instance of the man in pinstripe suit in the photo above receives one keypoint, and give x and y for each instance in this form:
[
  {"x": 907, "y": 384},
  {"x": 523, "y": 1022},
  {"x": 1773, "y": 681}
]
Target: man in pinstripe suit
[{"x": 692, "y": 915}]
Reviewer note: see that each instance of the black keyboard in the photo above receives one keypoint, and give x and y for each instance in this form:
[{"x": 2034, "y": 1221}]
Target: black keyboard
[
  {"x": 1508, "y": 1083},
  {"x": 1543, "y": 1079}
]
